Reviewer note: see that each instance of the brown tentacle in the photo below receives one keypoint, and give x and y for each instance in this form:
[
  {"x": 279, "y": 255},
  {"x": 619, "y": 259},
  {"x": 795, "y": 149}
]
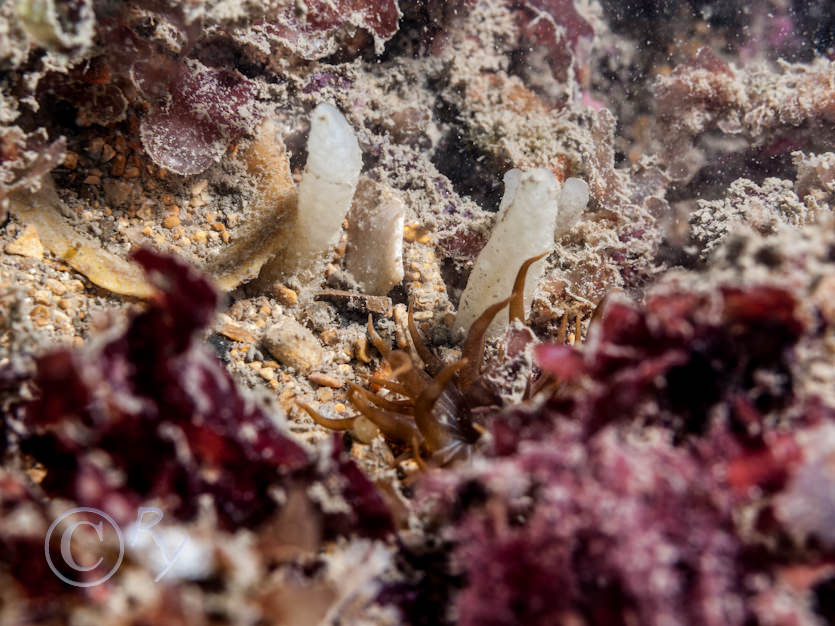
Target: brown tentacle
[
  {"x": 545, "y": 382},
  {"x": 398, "y": 406},
  {"x": 401, "y": 363},
  {"x": 327, "y": 422},
  {"x": 563, "y": 327},
  {"x": 393, "y": 425},
  {"x": 416, "y": 455},
  {"x": 387, "y": 384},
  {"x": 473, "y": 348},
  {"x": 516, "y": 308},
  {"x": 430, "y": 359},
  {"x": 378, "y": 342},
  {"x": 434, "y": 433},
  {"x": 404, "y": 370}
]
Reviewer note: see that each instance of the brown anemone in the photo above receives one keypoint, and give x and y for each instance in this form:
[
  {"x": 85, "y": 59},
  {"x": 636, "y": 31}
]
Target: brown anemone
[{"x": 433, "y": 410}]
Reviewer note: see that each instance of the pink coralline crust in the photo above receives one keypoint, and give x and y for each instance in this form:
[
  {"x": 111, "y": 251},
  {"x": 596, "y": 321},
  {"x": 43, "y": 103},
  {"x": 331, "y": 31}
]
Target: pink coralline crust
[
  {"x": 154, "y": 388},
  {"x": 708, "y": 94},
  {"x": 592, "y": 532},
  {"x": 319, "y": 30},
  {"x": 555, "y": 24},
  {"x": 26, "y": 157},
  {"x": 659, "y": 485},
  {"x": 22, "y": 545},
  {"x": 685, "y": 352},
  {"x": 195, "y": 111},
  {"x": 206, "y": 109}
]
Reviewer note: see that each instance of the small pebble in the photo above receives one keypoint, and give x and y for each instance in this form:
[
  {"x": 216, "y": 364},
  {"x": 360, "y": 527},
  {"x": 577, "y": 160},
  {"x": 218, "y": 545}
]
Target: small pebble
[
  {"x": 199, "y": 187},
  {"x": 39, "y": 315},
  {"x": 325, "y": 380},
  {"x": 364, "y": 430},
  {"x": 284, "y": 295},
  {"x": 171, "y": 221},
  {"x": 94, "y": 148},
  {"x": 61, "y": 319},
  {"x": 415, "y": 232},
  {"x": 117, "y": 168},
  {"x": 145, "y": 212},
  {"x": 70, "y": 160},
  {"x": 107, "y": 153},
  {"x": 293, "y": 344},
  {"x": 329, "y": 337}
]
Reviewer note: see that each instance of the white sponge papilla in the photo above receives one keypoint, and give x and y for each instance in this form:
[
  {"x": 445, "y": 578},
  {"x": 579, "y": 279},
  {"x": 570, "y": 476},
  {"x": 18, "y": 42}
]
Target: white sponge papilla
[
  {"x": 573, "y": 200},
  {"x": 334, "y": 161},
  {"x": 524, "y": 228},
  {"x": 375, "y": 238}
]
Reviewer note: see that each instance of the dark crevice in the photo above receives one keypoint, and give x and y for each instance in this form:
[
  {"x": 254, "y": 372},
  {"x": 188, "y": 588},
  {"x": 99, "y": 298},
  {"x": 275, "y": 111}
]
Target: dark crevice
[
  {"x": 711, "y": 181},
  {"x": 472, "y": 172}
]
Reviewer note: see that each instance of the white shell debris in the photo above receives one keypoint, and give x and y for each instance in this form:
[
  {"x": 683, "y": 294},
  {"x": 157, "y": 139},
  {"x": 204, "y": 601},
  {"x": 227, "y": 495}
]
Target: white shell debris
[
  {"x": 573, "y": 200},
  {"x": 334, "y": 161},
  {"x": 524, "y": 228},
  {"x": 375, "y": 238}
]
